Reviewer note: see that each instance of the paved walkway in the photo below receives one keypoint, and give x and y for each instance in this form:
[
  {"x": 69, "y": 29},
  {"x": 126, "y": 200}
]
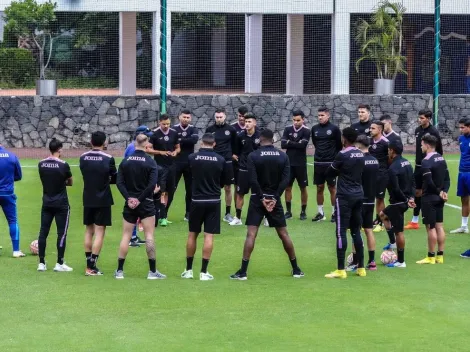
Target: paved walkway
[{"x": 113, "y": 92}]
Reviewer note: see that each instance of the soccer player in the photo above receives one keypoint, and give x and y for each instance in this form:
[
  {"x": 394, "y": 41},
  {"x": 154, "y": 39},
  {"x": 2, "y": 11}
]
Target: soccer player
[
  {"x": 55, "y": 176},
  {"x": 363, "y": 126},
  {"x": 247, "y": 141},
  {"x": 326, "y": 139},
  {"x": 225, "y": 144},
  {"x": 463, "y": 183},
  {"x": 268, "y": 168},
  {"x": 348, "y": 167},
  {"x": 239, "y": 126},
  {"x": 401, "y": 190},
  {"x": 165, "y": 146},
  {"x": 295, "y": 140},
  {"x": 98, "y": 171},
  {"x": 10, "y": 172},
  {"x": 436, "y": 184},
  {"x": 388, "y": 131},
  {"x": 379, "y": 150},
  {"x": 207, "y": 168},
  {"x": 369, "y": 183},
  {"x": 188, "y": 137},
  {"x": 424, "y": 127},
  {"x": 137, "y": 181}
]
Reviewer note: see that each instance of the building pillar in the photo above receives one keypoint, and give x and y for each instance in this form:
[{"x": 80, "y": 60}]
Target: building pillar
[
  {"x": 340, "y": 53},
  {"x": 127, "y": 53},
  {"x": 253, "y": 53},
  {"x": 219, "y": 57},
  {"x": 295, "y": 55}
]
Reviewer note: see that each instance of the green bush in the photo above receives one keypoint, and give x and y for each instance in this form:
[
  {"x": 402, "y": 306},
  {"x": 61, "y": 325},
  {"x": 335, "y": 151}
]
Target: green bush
[{"x": 17, "y": 67}]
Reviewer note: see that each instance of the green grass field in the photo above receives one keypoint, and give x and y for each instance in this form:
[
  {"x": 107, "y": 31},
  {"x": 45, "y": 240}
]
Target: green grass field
[{"x": 420, "y": 308}]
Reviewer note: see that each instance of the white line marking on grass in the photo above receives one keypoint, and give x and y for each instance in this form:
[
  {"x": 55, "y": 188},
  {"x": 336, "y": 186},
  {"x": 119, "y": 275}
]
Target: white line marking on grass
[{"x": 453, "y": 206}]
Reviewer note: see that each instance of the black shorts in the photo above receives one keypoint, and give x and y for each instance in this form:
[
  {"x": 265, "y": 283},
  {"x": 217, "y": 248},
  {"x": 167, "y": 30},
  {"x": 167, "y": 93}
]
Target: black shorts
[
  {"x": 228, "y": 173},
  {"x": 243, "y": 183},
  {"x": 396, "y": 215},
  {"x": 348, "y": 216},
  {"x": 97, "y": 216},
  {"x": 236, "y": 168},
  {"x": 319, "y": 174},
  {"x": 166, "y": 178},
  {"x": 256, "y": 213},
  {"x": 207, "y": 213},
  {"x": 368, "y": 214},
  {"x": 145, "y": 209},
  {"x": 418, "y": 177},
  {"x": 298, "y": 173},
  {"x": 381, "y": 184},
  {"x": 432, "y": 209}
]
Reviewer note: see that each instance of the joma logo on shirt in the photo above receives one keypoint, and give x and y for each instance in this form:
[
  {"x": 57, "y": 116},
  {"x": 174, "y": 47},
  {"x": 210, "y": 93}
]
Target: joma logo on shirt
[
  {"x": 209, "y": 158},
  {"x": 93, "y": 158},
  {"x": 356, "y": 155},
  {"x": 50, "y": 165},
  {"x": 4, "y": 155},
  {"x": 136, "y": 158},
  {"x": 405, "y": 163},
  {"x": 439, "y": 159},
  {"x": 371, "y": 162},
  {"x": 269, "y": 153}
]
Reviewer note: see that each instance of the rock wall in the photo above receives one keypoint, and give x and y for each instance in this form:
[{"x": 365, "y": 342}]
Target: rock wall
[{"x": 31, "y": 121}]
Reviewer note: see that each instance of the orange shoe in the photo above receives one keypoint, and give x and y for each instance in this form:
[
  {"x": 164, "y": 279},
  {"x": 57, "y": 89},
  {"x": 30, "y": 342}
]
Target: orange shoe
[{"x": 412, "y": 226}]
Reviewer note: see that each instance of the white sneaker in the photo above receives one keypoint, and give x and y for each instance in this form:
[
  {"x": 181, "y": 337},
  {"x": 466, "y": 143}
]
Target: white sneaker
[
  {"x": 18, "y": 254},
  {"x": 205, "y": 277},
  {"x": 235, "y": 222},
  {"x": 228, "y": 218},
  {"x": 62, "y": 268},
  {"x": 266, "y": 222},
  {"x": 42, "y": 267},
  {"x": 397, "y": 265},
  {"x": 463, "y": 229},
  {"x": 187, "y": 274}
]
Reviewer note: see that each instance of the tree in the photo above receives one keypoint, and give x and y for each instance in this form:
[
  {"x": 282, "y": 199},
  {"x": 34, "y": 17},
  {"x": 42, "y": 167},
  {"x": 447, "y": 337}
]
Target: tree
[{"x": 28, "y": 20}]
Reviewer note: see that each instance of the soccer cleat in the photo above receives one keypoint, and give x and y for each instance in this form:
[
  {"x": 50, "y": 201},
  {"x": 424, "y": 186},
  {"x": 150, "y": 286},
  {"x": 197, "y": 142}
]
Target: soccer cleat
[
  {"x": 18, "y": 254},
  {"x": 297, "y": 273},
  {"x": 372, "y": 266},
  {"x": 337, "y": 274},
  {"x": 155, "y": 275},
  {"x": 62, "y": 268},
  {"x": 361, "y": 272},
  {"x": 396, "y": 265},
  {"x": 319, "y": 217},
  {"x": 462, "y": 229},
  {"x": 378, "y": 228},
  {"x": 412, "y": 226},
  {"x": 42, "y": 267},
  {"x": 303, "y": 216},
  {"x": 205, "y": 277},
  {"x": 288, "y": 215},
  {"x": 119, "y": 274},
  {"x": 228, "y": 218},
  {"x": 163, "y": 222},
  {"x": 93, "y": 272},
  {"x": 351, "y": 267},
  {"x": 439, "y": 259},
  {"x": 266, "y": 222},
  {"x": 186, "y": 217},
  {"x": 390, "y": 247},
  {"x": 236, "y": 222},
  {"x": 333, "y": 217},
  {"x": 239, "y": 276},
  {"x": 466, "y": 254},
  {"x": 139, "y": 240},
  {"x": 427, "y": 260},
  {"x": 134, "y": 242},
  {"x": 187, "y": 274}
]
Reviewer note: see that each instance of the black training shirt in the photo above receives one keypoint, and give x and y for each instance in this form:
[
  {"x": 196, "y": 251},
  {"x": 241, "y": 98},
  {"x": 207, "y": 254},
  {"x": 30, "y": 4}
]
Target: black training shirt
[
  {"x": 295, "y": 142},
  {"x": 435, "y": 174},
  {"x": 326, "y": 139},
  {"x": 419, "y": 133},
  {"x": 164, "y": 141},
  {"x": 362, "y": 127},
  {"x": 348, "y": 166},
  {"x": 379, "y": 150},
  {"x": 53, "y": 173},
  {"x": 225, "y": 139},
  {"x": 369, "y": 177},
  {"x": 245, "y": 145},
  {"x": 393, "y": 137},
  {"x": 401, "y": 184},
  {"x": 207, "y": 170},
  {"x": 188, "y": 137}
]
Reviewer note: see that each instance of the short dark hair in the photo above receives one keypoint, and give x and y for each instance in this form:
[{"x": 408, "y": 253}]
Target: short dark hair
[
  {"x": 465, "y": 121},
  {"x": 426, "y": 113},
  {"x": 219, "y": 110},
  {"x": 350, "y": 134},
  {"x": 208, "y": 138},
  {"x": 396, "y": 146},
  {"x": 363, "y": 140},
  {"x": 378, "y": 123},
  {"x": 164, "y": 117},
  {"x": 55, "y": 145},
  {"x": 250, "y": 115},
  {"x": 185, "y": 112},
  {"x": 98, "y": 138},
  {"x": 242, "y": 110},
  {"x": 298, "y": 113},
  {"x": 385, "y": 117},
  {"x": 267, "y": 134},
  {"x": 430, "y": 139},
  {"x": 363, "y": 106},
  {"x": 323, "y": 109}
]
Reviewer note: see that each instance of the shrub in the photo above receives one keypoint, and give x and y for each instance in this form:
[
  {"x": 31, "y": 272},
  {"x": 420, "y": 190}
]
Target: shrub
[{"x": 17, "y": 67}]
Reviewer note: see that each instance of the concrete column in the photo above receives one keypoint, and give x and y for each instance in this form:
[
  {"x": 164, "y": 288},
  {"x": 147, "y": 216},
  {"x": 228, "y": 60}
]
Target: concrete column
[
  {"x": 340, "y": 37},
  {"x": 295, "y": 55},
  {"x": 156, "y": 53},
  {"x": 219, "y": 57},
  {"x": 253, "y": 53},
  {"x": 127, "y": 53}
]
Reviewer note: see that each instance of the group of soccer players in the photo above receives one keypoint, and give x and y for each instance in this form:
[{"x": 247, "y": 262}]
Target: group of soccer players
[{"x": 359, "y": 165}]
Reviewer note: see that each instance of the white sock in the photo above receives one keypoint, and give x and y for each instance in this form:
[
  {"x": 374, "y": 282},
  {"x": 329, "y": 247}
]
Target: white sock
[
  {"x": 464, "y": 221},
  {"x": 332, "y": 209},
  {"x": 320, "y": 209},
  {"x": 415, "y": 219}
]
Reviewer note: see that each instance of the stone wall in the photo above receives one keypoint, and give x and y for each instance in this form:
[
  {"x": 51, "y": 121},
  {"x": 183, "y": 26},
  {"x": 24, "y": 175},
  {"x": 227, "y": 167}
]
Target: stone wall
[{"x": 31, "y": 121}]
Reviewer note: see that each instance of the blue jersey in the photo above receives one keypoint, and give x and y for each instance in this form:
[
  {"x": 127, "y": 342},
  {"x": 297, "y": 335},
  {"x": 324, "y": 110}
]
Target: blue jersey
[
  {"x": 10, "y": 171},
  {"x": 129, "y": 150},
  {"x": 464, "y": 165}
]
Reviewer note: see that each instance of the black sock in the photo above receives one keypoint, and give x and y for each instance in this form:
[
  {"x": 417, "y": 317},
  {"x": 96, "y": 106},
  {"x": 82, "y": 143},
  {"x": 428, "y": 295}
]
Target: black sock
[
  {"x": 60, "y": 260},
  {"x": 431, "y": 254},
  {"x": 87, "y": 255},
  {"x": 371, "y": 256},
  {"x": 440, "y": 252},
  {"x": 93, "y": 260},
  {"x": 340, "y": 255},
  {"x": 88, "y": 260},
  {"x": 121, "y": 263},
  {"x": 289, "y": 206},
  {"x": 153, "y": 265},
  {"x": 354, "y": 262},
  {"x": 417, "y": 209},
  {"x": 401, "y": 255},
  {"x": 189, "y": 263},
  {"x": 244, "y": 267},
  {"x": 238, "y": 213},
  {"x": 228, "y": 209},
  {"x": 42, "y": 260},
  {"x": 293, "y": 262},
  {"x": 205, "y": 263},
  {"x": 304, "y": 208},
  {"x": 391, "y": 236}
]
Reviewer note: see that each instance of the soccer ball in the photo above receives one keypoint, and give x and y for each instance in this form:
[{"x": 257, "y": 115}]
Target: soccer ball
[
  {"x": 388, "y": 257},
  {"x": 349, "y": 260},
  {"x": 34, "y": 248}
]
